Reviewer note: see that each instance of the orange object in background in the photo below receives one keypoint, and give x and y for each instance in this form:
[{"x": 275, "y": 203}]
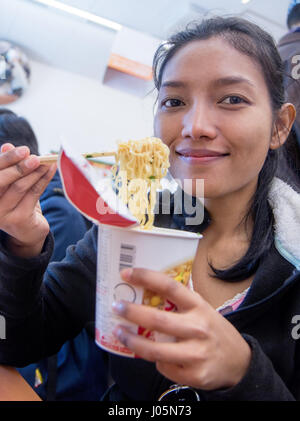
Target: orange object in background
[
  {"x": 131, "y": 67},
  {"x": 13, "y": 387}
]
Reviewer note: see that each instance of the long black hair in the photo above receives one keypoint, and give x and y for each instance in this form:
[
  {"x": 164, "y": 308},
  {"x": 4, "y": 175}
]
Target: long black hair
[{"x": 251, "y": 40}]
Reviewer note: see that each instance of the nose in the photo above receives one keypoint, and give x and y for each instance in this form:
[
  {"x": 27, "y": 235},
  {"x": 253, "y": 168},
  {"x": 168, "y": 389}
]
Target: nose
[{"x": 198, "y": 123}]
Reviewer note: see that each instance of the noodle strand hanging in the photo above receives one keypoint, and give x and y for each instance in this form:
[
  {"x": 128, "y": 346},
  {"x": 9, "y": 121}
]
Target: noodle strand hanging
[{"x": 140, "y": 166}]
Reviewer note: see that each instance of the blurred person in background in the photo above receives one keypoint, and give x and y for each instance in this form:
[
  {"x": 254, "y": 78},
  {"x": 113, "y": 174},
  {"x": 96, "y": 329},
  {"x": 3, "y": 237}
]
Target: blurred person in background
[
  {"x": 289, "y": 50},
  {"x": 77, "y": 371}
]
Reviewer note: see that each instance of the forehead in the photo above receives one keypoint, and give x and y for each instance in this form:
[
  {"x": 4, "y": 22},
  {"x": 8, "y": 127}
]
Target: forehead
[{"x": 214, "y": 58}]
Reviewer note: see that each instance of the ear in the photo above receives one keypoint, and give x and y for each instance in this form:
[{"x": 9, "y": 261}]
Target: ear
[{"x": 282, "y": 125}]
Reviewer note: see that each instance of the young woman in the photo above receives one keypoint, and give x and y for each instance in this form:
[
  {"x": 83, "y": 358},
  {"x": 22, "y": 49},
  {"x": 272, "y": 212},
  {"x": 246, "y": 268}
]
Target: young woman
[{"x": 221, "y": 111}]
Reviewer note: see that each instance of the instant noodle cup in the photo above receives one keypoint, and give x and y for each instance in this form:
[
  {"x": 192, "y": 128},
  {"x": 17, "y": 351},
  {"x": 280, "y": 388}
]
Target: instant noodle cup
[
  {"x": 167, "y": 250},
  {"x": 123, "y": 244}
]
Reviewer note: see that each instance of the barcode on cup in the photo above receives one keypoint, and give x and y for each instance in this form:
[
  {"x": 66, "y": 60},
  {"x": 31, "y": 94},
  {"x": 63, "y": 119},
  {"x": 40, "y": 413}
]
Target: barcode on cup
[{"x": 127, "y": 256}]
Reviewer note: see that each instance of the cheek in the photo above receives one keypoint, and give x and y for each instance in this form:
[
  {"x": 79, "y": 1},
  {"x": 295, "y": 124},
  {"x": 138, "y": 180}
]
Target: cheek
[
  {"x": 165, "y": 129},
  {"x": 252, "y": 149},
  {"x": 167, "y": 132},
  {"x": 157, "y": 126},
  {"x": 248, "y": 135}
]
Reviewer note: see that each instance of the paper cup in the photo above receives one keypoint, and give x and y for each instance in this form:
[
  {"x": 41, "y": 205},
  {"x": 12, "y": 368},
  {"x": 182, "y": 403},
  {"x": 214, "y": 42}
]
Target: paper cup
[{"x": 166, "y": 250}]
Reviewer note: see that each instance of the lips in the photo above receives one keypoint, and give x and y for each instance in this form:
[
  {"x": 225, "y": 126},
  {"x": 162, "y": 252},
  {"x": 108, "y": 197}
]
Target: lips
[{"x": 200, "y": 153}]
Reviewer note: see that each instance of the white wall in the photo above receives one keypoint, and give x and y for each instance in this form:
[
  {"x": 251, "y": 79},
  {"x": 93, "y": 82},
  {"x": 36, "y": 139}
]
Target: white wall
[{"x": 83, "y": 110}]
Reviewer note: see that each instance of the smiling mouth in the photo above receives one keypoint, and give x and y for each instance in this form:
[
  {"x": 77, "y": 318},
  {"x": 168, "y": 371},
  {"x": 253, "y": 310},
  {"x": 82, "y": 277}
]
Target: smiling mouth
[{"x": 200, "y": 156}]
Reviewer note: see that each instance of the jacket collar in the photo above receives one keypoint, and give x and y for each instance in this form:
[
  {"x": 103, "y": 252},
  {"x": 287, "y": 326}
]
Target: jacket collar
[
  {"x": 285, "y": 203},
  {"x": 276, "y": 272}
]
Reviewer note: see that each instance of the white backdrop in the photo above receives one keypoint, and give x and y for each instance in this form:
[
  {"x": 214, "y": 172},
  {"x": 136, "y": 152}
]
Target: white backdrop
[{"x": 83, "y": 110}]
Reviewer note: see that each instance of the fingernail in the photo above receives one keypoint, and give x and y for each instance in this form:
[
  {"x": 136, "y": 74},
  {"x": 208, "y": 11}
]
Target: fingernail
[
  {"x": 118, "y": 307},
  {"x": 126, "y": 274},
  {"x": 21, "y": 151},
  {"x": 6, "y": 147},
  {"x": 30, "y": 162},
  {"x": 118, "y": 332}
]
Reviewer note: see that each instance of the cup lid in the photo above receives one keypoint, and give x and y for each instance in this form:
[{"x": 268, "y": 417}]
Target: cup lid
[{"x": 90, "y": 193}]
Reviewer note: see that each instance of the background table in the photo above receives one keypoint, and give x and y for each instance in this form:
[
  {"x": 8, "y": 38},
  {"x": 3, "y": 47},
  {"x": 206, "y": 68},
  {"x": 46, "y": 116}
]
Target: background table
[{"x": 13, "y": 387}]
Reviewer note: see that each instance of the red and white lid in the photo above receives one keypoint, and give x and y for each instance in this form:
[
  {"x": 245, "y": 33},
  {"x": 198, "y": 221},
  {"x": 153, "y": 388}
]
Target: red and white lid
[{"x": 90, "y": 192}]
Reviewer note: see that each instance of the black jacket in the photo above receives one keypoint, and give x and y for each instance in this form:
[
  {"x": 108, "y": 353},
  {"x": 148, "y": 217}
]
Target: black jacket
[
  {"x": 77, "y": 371},
  {"x": 66, "y": 223},
  {"x": 39, "y": 320}
]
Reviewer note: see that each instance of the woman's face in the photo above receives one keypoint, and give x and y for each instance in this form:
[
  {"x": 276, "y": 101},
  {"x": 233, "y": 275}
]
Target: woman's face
[{"x": 214, "y": 114}]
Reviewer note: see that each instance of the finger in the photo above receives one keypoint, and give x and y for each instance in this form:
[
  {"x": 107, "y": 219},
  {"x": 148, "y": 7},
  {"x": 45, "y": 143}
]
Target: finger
[
  {"x": 19, "y": 189},
  {"x": 164, "y": 285},
  {"x": 15, "y": 172},
  {"x": 37, "y": 189},
  {"x": 6, "y": 147},
  {"x": 11, "y": 155},
  {"x": 168, "y": 352},
  {"x": 171, "y": 323}
]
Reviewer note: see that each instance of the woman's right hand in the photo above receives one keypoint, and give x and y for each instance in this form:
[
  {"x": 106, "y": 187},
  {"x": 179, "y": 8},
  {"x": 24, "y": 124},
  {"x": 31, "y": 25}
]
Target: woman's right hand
[{"x": 22, "y": 181}]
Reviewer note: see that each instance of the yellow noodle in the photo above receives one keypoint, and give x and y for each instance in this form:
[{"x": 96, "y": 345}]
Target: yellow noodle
[{"x": 140, "y": 166}]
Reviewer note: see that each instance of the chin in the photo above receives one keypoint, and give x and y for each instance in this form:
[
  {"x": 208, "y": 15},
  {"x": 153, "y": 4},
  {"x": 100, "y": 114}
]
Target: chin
[{"x": 192, "y": 186}]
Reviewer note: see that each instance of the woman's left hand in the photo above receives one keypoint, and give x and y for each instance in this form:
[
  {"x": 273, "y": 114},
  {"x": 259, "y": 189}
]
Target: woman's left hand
[{"x": 209, "y": 353}]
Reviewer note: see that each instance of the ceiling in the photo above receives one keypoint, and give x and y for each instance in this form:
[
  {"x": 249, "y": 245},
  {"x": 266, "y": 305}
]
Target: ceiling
[
  {"x": 160, "y": 17},
  {"x": 73, "y": 44}
]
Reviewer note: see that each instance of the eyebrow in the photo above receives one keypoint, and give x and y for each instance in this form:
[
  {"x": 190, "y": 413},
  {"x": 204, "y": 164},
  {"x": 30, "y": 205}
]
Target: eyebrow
[
  {"x": 224, "y": 81},
  {"x": 173, "y": 84},
  {"x": 232, "y": 80}
]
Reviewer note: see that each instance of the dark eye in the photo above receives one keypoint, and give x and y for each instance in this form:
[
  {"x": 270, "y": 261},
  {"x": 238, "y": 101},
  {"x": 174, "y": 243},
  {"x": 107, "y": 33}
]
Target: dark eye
[
  {"x": 172, "y": 102},
  {"x": 233, "y": 100}
]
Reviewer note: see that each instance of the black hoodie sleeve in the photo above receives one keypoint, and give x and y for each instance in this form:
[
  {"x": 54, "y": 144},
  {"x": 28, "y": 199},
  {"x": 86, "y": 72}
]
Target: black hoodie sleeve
[
  {"x": 41, "y": 314},
  {"x": 260, "y": 383}
]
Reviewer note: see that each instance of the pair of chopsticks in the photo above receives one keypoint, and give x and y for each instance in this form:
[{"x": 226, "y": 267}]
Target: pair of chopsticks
[{"x": 50, "y": 159}]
